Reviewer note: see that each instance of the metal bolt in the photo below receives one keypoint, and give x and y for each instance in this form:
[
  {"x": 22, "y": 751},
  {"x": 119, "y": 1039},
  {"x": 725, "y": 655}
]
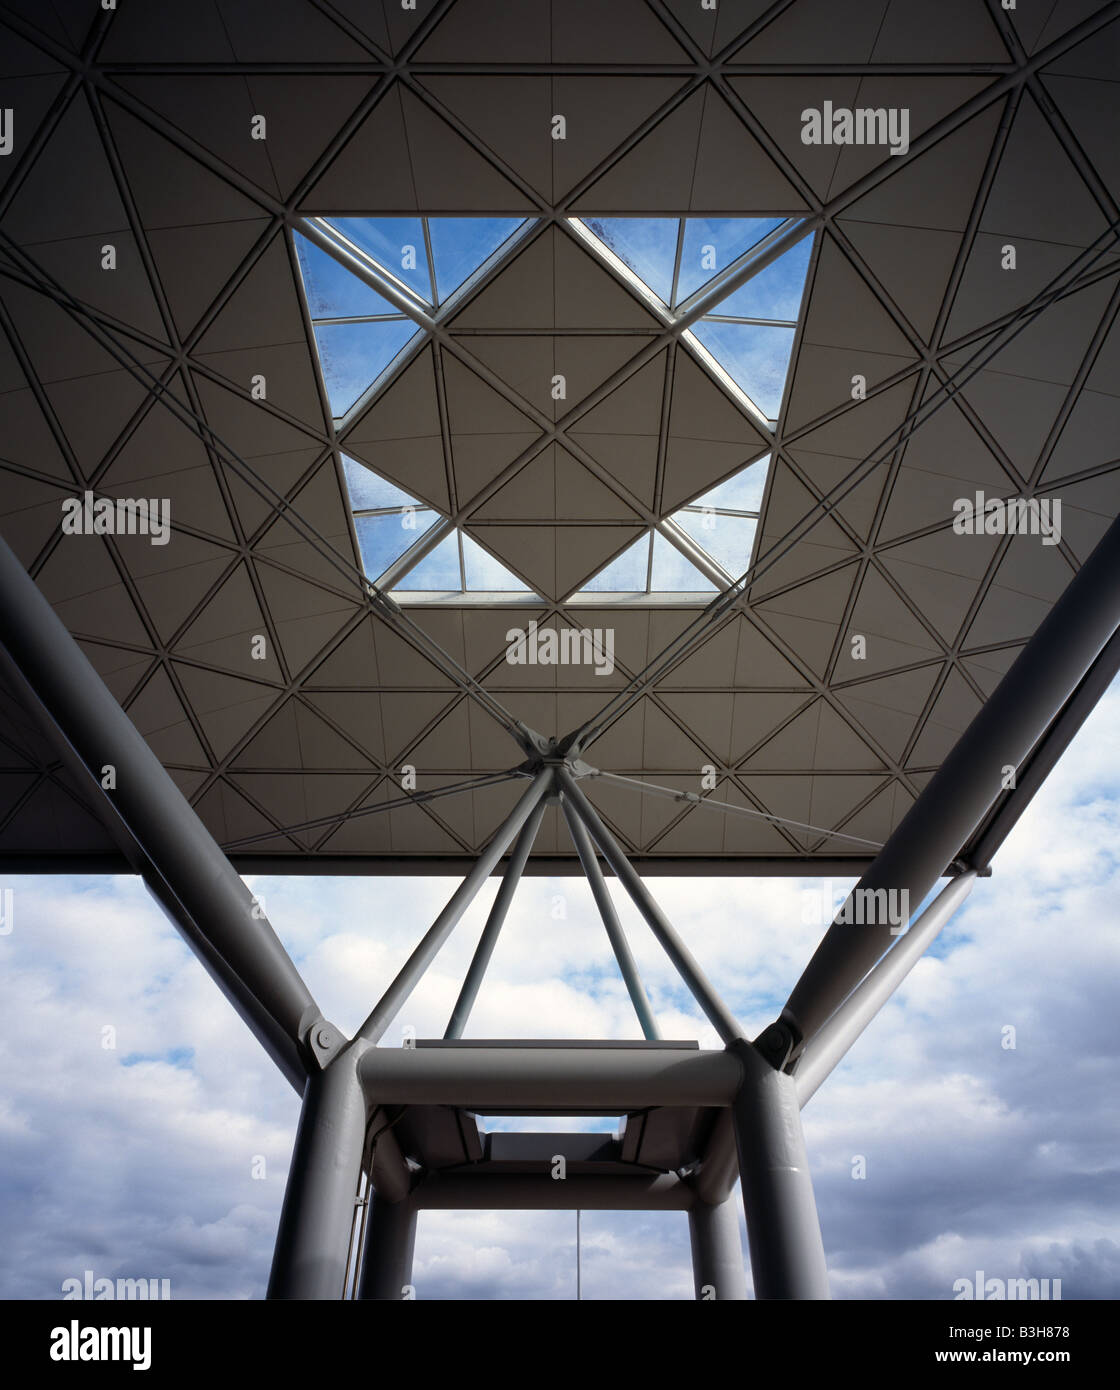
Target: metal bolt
[{"x": 324, "y": 1037}]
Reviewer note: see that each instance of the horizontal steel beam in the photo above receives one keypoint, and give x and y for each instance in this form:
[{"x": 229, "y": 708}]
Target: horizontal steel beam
[
  {"x": 582, "y": 1192},
  {"x": 542, "y": 865},
  {"x": 569, "y": 1080}
]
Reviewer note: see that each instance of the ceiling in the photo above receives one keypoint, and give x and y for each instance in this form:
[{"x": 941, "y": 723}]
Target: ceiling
[{"x": 136, "y": 133}]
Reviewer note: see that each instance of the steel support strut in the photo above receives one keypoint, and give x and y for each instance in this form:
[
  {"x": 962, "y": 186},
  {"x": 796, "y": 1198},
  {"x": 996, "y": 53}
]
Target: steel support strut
[
  {"x": 489, "y": 938},
  {"x": 181, "y": 864},
  {"x": 621, "y": 947},
  {"x": 717, "y": 1255},
  {"x": 316, "y": 1220},
  {"x": 787, "y": 1253},
  {"x": 413, "y": 968},
  {"x": 389, "y": 1244},
  {"x": 721, "y": 1018},
  {"x": 955, "y": 800},
  {"x": 829, "y": 1045}
]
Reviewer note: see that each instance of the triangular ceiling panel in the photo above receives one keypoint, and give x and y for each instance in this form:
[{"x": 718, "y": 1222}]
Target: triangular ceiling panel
[
  {"x": 515, "y": 418},
  {"x": 422, "y": 162},
  {"x": 513, "y": 117},
  {"x": 698, "y": 157}
]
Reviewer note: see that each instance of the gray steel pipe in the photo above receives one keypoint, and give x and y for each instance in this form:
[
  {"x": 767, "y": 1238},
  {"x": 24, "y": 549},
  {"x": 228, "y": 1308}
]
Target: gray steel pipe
[
  {"x": 719, "y": 1015},
  {"x": 621, "y": 947},
  {"x": 409, "y": 975},
  {"x": 317, "y": 1218},
  {"x": 387, "y": 1255},
  {"x": 192, "y": 879},
  {"x": 968, "y": 782},
  {"x": 784, "y": 1234},
  {"x": 574, "y": 1080},
  {"x": 717, "y": 1253},
  {"x": 719, "y": 1166},
  {"x": 389, "y": 1173},
  {"x": 827, "y": 1047},
  {"x": 489, "y": 938}
]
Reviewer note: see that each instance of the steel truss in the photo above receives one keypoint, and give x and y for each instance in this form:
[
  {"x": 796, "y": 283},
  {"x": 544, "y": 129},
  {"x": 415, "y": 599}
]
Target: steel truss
[{"x": 363, "y": 1145}]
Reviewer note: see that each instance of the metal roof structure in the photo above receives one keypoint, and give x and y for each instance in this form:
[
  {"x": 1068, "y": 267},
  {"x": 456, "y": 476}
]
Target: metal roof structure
[
  {"x": 369, "y": 375},
  {"x": 135, "y": 130}
]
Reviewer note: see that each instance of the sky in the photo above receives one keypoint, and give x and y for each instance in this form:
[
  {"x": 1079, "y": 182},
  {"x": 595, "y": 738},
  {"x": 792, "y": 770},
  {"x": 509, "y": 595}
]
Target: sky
[{"x": 132, "y": 1152}]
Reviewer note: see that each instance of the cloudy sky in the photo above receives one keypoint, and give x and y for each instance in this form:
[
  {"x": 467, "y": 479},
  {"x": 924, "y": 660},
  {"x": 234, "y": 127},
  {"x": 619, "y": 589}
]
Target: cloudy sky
[{"x": 137, "y": 1159}]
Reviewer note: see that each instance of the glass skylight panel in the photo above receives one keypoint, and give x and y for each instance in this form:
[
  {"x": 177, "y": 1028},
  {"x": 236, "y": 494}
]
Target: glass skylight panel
[
  {"x": 332, "y": 291},
  {"x": 482, "y": 572},
  {"x": 627, "y": 573},
  {"x": 461, "y": 244},
  {"x": 711, "y": 244},
  {"x": 384, "y": 538},
  {"x": 674, "y": 573},
  {"x": 727, "y": 539},
  {"x": 775, "y": 292},
  {"x": 396, "y": 244},
  {"x": 353, "y": 356},
  {"x": 755, "y": 358},
  {"x": 741, "y": 493},
  {"x": 360, "y": 334},
  {"x": 438, "y": 572},
  {"x": 648, "y": 245},
  {"x": 369, "y": 491}
]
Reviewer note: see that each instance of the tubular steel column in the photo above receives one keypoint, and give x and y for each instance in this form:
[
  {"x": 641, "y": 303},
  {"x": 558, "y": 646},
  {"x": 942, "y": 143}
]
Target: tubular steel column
[
  {"x": 717, "y": 1255},
  {"x": 787, "y": 1253},
  {"x": 387, "y": 1257},
  {"x": 316, "y": 1221}
]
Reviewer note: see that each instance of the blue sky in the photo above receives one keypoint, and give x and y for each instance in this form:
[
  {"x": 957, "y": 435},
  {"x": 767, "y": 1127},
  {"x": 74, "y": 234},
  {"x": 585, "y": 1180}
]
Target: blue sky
[{"x": 136, "y": 1160}]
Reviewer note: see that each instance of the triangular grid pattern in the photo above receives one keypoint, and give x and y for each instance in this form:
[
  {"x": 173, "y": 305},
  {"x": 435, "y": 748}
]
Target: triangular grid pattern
[{"x": 904, "y": 283}]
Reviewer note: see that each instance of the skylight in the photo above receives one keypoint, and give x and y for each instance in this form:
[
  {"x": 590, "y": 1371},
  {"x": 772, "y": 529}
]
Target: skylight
[
  {"x": 374, "y": 297},
  {"x": 721, "y": 523},
  {"x": 745, "y": 334},
  {"x": 388, "y": 523},
  {"x": 360, "y": 334}
]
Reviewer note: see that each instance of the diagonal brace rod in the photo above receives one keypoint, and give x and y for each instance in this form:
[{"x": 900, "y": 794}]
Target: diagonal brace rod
[
  {"x": 413, "y": 968},
  {"x": 489, "y": 938},
  {"x": 622, "y": 953},
  {"x": 721, "y": 1018},
  {"x": 828, "y": 1047}
]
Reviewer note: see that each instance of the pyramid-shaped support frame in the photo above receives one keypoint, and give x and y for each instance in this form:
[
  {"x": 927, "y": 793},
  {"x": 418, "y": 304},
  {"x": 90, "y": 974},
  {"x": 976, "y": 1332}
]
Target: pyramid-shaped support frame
[{"x": 755, "y": 1088}]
